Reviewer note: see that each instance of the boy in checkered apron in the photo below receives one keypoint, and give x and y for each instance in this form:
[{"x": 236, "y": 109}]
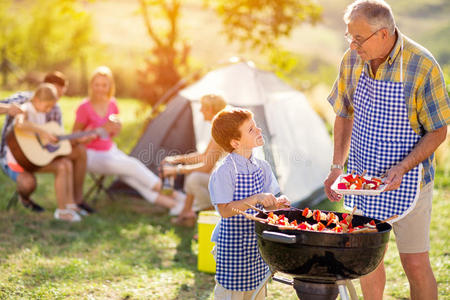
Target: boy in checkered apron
[{"x": 241, "y": 179}]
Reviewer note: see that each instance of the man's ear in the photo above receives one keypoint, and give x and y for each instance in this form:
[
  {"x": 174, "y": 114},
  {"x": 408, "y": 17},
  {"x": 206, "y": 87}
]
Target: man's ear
[
  {"x": 385, "y": 33},
  {"x": 234, "y": 143}
]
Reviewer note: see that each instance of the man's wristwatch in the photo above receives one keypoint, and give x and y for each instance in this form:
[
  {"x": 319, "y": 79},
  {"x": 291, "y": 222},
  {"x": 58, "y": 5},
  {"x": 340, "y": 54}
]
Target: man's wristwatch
[{"x": 336, "y": 166}]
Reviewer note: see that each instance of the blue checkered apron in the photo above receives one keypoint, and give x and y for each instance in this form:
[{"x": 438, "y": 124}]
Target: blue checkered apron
[
  {"x": 239, "y": 266},
  {"x": 382, "y": 137}
]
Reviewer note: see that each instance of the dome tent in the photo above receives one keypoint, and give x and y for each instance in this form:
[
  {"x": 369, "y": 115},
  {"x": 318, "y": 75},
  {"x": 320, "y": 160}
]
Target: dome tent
[{"x": 298, "y": 146}]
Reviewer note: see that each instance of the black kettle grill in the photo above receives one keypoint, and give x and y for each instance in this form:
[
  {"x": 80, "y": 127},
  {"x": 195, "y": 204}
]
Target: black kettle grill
[{"x": 318, "y": 260}]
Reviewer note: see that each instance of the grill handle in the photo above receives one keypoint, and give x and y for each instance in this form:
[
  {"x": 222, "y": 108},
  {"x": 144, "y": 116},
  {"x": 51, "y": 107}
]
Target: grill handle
[
  {"x": 279, "y": 237},
  {"x": 283, "y": 280}
]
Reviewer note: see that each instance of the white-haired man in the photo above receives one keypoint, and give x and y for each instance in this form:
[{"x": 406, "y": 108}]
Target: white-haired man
[{"x": 392, "y": 112}]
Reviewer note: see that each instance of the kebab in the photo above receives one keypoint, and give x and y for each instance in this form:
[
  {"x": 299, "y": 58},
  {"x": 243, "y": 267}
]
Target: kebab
[
  {"x": 344, "y": 225},
  {"x": 359, "y": 182},
  {"x": 340, "y": 226}
]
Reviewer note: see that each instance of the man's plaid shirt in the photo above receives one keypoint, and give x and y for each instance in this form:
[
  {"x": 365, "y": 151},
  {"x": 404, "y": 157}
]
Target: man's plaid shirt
[{"x": 426, "y": 97}]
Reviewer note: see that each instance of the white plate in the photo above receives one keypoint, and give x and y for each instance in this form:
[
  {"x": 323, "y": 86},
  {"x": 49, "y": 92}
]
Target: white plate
[{"x": 376, "y": 192}]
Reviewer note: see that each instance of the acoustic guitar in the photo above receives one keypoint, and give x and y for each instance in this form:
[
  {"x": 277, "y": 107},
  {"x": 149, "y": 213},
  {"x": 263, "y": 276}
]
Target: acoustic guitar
[{"x": 32, "y": 153}]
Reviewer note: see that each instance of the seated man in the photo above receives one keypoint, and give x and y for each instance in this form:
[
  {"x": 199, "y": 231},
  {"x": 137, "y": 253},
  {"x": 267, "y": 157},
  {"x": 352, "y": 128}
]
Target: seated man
[
  {"x": 26, "y": 181},
  {"x": 197, "y": 166}
]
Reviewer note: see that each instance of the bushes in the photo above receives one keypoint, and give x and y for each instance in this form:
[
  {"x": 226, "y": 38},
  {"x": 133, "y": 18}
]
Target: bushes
[{"x": 44, "y": 35}]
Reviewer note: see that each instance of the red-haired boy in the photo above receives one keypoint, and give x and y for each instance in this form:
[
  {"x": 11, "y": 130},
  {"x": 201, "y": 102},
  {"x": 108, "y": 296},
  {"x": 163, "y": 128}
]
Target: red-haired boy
[{"x": 241, "y": 179}]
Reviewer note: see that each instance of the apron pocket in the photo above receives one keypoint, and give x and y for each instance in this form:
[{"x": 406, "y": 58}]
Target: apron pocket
[
  {"x": 250, "y": 247},
  {"x": 389, "y": 154}
]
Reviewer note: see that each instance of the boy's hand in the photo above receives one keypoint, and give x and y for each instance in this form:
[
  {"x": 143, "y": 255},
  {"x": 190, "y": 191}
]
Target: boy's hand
[
  {"x": 283, "y": 202},
  {"x": 47, "y": 137},
  {"x": 267, "y": 200}
]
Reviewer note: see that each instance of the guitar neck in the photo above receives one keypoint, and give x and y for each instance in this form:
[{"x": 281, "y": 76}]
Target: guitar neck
[{"x": 75, "y": 135}]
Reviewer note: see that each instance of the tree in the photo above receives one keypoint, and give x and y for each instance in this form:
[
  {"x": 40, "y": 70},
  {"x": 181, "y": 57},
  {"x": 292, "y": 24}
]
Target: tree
[
  {"x": 44, "y": 34},
  {"x": 168, "y": 56},
  {"x": 260, "y": 23}
]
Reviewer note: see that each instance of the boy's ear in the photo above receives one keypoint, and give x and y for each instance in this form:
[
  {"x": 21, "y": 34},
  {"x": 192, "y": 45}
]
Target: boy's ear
[{"x": 234, "y": 143}]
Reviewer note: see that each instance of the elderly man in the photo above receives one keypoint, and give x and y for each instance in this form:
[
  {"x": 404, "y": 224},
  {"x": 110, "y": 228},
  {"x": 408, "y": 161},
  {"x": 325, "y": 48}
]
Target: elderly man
[{"x": 392, "y": 113}]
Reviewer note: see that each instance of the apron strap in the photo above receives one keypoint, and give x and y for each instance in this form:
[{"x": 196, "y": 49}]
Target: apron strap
[{"x": 401, "y": 62}]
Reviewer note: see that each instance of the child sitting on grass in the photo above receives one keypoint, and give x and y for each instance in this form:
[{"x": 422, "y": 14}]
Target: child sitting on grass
[{"x": 241, "y": 179}]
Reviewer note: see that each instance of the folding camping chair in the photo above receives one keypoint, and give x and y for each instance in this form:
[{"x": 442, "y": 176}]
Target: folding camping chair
[{"x": 97, "y": 187}]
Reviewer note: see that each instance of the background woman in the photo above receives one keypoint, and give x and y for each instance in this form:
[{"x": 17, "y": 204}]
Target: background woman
[{"x": 103, "y": 156}]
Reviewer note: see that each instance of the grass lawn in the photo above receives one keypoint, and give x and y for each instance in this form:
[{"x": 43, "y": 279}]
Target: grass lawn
[{"x": 129, "y": 250}]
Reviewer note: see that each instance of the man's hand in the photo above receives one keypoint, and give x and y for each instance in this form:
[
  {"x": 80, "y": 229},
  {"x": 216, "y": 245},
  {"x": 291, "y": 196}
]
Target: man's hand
[
  {"x": 394, "y": 177},
  {"x": 169, "y": 170},
  {"x": 170, "y": 160},
  {"x": 267, "y": 200},
  {"x": 14, "y": 109},
  {"x": 423, "y": 149},
  {"x": 332, "y": 176}
]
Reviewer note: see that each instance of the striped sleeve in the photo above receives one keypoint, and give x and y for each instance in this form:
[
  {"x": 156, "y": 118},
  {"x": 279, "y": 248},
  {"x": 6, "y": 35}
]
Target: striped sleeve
[
  {"x": 339, "y": 97},
  {"x": 55, "y": 115},
  {"x": 433, "y": 101},
  {"x": 19, "y": 98}
]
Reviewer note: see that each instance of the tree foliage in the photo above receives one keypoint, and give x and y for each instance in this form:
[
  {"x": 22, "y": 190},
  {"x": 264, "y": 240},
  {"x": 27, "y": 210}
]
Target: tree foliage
[
  {"x": 167, "y": 59},
  {"x": 44, "y": 34},
  {"x": 437, "y": 39},
  {"x": 301, "y": 71},
  {"x": 260, "y": 23}
]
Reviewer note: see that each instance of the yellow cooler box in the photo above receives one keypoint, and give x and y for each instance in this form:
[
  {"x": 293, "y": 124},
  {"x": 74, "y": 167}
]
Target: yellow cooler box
[{"x": 207, "y": 220}]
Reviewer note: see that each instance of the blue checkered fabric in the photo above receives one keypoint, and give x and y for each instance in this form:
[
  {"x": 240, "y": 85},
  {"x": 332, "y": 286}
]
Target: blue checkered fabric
[
  {"x": 382, "y": 137},
  {"x": 239, "y": 266}
]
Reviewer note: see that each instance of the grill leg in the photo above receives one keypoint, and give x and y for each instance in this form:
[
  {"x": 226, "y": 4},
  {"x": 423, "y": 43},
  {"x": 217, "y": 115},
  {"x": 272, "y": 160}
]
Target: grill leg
[
  {"x": 343, "y": 285},
  {"x": 352, "y": 291},
  {"x": 262, "y": 284},
  {"x": 343, "y": 292}
]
